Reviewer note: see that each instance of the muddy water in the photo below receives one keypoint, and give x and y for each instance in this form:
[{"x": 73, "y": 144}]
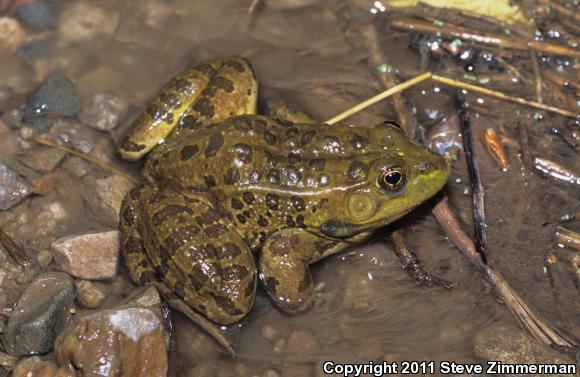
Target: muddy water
[{"x": 307, "y": 52}]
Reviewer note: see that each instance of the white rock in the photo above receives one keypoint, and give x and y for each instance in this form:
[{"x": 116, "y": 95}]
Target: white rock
[{"x": 82, "y": 21}]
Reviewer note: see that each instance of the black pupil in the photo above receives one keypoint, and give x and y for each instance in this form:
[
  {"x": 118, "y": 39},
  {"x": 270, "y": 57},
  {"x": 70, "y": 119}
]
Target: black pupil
[{"x": 393, "y": 178}]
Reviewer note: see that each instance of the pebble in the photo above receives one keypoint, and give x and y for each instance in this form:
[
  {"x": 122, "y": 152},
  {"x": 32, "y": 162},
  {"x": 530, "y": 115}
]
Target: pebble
[
  {"x": 44, "y": 184},
  {"x": 36, "y": 15},
  {"x": 13, "y": 188},
  {"x": 9, "y": 145},
  {"x": 147, "y": 297},
  {"x": 269, "y": 332},
  {"x": 36, "y": 367},
  {"x": 44, "y": 160},
  {"x": 40, "y": 314},
  {"x": 44, "y": 258},
  {"x": 91, "y": 256},
  {"x": 56, "y": 96},
  {"x": 510, "y": 345},
  {"x": 88, "y": 295},
  {"x": 11, "y": 35},
  {"x": 110, "y": 192},
  {"x": 270, "y": 373},
  {"x": 102, "y": 111},
  {"x": 127, "y": 341},
  {"x": 82, "y": 21},
  {"x": 301, "y": 342}
]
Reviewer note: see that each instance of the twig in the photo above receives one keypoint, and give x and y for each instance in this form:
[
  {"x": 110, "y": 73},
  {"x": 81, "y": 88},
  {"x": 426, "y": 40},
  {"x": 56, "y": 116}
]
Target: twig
[
  {"x": 498, "y": 40},
  {"x": 84, "y": 156},
  {"x": 15, "y": 250},
  {"x": 537, "y": 77},
  {"x": 532, "y": 321},
  {"x": 567, "y": 237},
  {"x": 493, "y": 93},
  {"x": 253, "y": 5},
  {"x": 388, "y": 78},
  {"x": 556, "y": 171},
  {"x": 477, "y": 191},
  {"x": 524, "y": 146},
  {"x": 379, "y": 97}
]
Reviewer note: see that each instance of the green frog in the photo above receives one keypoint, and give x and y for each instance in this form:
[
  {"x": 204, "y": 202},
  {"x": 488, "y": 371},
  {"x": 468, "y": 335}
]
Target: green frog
[{"x": 229, "y": 197}]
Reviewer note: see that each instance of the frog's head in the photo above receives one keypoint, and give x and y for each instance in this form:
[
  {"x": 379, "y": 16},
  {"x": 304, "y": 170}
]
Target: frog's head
[{"x": 398, "y": 176}]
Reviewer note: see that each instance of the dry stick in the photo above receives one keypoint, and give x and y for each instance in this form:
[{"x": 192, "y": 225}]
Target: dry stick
[
  {"x": 528, "y": 317},
  {"x": 15, "y": 250},
  {"x": 493, "y": 93},
  {"x": 498, "y": 40},
  {"x": 84, "y": 156},
  {"x": 477, "y": 192},
  {"x": 379, "y": 97},
  {"x": 388, "y": 79},
  {"x": 537, "y": 76}
]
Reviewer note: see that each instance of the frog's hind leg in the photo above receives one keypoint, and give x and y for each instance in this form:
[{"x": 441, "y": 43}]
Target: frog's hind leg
[{"x": 284, "y": 266}]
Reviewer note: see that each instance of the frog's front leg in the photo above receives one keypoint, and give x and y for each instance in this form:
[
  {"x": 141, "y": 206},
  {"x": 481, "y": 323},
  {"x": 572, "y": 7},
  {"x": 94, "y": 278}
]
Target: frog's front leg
[{"x": 284, "y": 266}]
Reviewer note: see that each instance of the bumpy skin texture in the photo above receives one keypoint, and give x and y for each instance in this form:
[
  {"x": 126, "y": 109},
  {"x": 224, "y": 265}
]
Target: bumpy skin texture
[{"x": 224, "y": 185}]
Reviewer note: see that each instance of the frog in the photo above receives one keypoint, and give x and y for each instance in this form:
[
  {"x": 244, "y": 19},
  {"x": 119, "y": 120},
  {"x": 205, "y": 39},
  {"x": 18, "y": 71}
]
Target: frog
[{"x": 229, "y": 198}]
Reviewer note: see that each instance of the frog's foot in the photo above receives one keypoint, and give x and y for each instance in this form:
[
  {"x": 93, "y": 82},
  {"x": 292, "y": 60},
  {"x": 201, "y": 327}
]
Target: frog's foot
[
  {"x": 412, "y": 265},
  {"x": 284, "y": 266},
  {"x": 285, "y": 112},
  {"x": 198, "y": 254}
]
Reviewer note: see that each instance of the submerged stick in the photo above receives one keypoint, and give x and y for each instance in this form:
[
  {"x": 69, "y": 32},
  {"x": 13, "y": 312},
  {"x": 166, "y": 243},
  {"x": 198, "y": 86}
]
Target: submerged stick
[
  {"x": 84, "y": 156},
  {"x": 379, "y": 97},
  {"x": 477, "y": 192},
  {"x": 542, "y": 330},
  {"x": 567, "y": 238},
  {"x": 15, "y": 250}
]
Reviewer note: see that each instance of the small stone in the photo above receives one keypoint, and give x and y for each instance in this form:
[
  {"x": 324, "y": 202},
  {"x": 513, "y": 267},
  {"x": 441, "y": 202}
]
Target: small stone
[
  {"x": 146, "y": 297},
  {"x": 102, "y": 111},
  {"x": 36, "y": 15},
  {"x": 44, "y": 258},
  {"x": 82, "y": 21},
  {"x": 76, "y": 166},
  {"x": 269, "y": 332},
  {"x": 40, "y": 314},
  {"x": 128, "y": 341},
  {"x": 13, "y": 188},
  {"x": 36, "y": 367},
  {"x": 44, "y": 160},
  {"x": 270, "y": 373},
  {"x": 110, "y": 192},
  {"x": 44, "y": 184},
  {"x": 9, "y": 145},
  {"x": 297, "y": 371},
  {"x": 91, "y": 256},
  {"x": 11, "y": 35},
  {"x": 301, "y": 341},
  {"x": 279, "y": 345},
  {"x": 57, "y": 96},
  {"x": 88, "y": 295}
]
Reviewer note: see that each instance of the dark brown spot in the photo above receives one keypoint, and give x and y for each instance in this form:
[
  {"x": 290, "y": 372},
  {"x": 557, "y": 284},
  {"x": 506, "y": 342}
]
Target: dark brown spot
[
  {"x": 248, "y": 214},
  {"x": 216, "y": 230},
  {"x": 157, "y": 198},
  {"x": 207, "y": 69},
  {"x": 227, "y": 305},
  {"x": 272, "y": 283},
  {"x": 274, "y": 176},
  {"x": 237, "y": 203},
  {"x": 179, "y": 237},
  {"x": 300, "y": 221},
  {"x": 292, "y": 132},
  {"x": 241, "y": 218},
  {"x": 209, "y": 181},
  {"x": 133, "y": 245},
  {"x": 214, "y": 143},
  {"x": 180, "y": 85},
  {"x": 244, "y": 152},
  {"x": 134, "y": 193},
  {"x": 307, "y": 137},
  {"x": 293, "y": 157},
  {"x": 179, "y": 290},
  {"x": 323, "y": 180},
  {"x": 357, "y": 171},
  {"x": 223, "y": 83},
  {"x": 234, "y": 272},
  {"x": 306, "y": 282},
  {"x": 191, "y": 122},
  {"x": 282, "y": 244},
  {"x": 291, "y": 175},
  {"x": 207, "y": 217},
  {"x": 270, "y": 158},
  {"x": 332, "y": 144},
  {"x": 262, "y": 221},
  {"x": 298, "y": 203},
  {"x": 155, "y": 112},
  {"x": 242, "y": 123},
  {"x": 232, "y": 176},
  {"x": 229, "y": 250},
  {"x": 317, "y": 164},
  {"x": 204, "y": 106},
  {"x": 235, "y": 65},
  {"x": 288, "y": 220},
  {"x": 169, "y": 99},
  {"x": 260, "y": 123},
  {"x": 270, "y": 138},
  {"x": 129, "y": 216},
  {"x": 248, "y": 197},
  {"x": 272, "y": 201},
  {"x": 250, "y": 288},
  {"x": 188, "y": 152},
  {"x": 169, "y": 212},
  {"x": 255, "y": 177},
  {"x": 131, "y": 146},
  {"x": 359, "y": 142}
]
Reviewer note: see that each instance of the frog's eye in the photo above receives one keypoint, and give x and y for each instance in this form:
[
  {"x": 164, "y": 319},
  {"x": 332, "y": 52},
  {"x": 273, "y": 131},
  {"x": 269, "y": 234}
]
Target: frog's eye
[{"x": 392, "y": 179}]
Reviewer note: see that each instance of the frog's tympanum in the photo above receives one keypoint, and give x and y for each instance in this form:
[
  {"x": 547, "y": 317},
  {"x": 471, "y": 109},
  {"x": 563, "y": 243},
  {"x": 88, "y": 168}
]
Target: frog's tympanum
[{"x": 223, "y": 188}]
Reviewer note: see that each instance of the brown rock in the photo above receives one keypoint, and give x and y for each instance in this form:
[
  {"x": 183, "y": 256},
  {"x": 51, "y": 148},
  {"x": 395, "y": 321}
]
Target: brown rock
[
  {"x": 44, "y": 160},
  {"x": 88, "y": 295},
  {"x": 111, "y": 191},
  {"x": 44, "y": 184},
  {"x": 9, "y": 145},
  {"x": 91, "y": 256},
  {"x": 128, "y": 341},
  {"x": 11, "y": 35},
  {"x": 301, "y": 341},
  {"x": 36, "y": 367}
]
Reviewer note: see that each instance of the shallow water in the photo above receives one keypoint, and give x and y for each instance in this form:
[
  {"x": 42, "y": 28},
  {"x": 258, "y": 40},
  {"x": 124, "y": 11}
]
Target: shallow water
[{"x": 307, "y": 52}]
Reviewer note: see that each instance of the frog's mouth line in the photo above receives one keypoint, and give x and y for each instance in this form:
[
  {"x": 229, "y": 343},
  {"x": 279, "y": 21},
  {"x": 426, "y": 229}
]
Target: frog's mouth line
[{"x": 342, "y": 229}]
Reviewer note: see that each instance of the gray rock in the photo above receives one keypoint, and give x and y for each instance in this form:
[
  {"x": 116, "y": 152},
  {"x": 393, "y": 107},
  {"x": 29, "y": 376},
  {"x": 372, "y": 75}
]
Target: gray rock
[
  {"x": 36, "y": 15},
  {"x": 91, "y": 256},
  {"x": 102, "y": 111},
  {"x": 41, "y": 313},
  {"x": 57, "y": 96},
  {"x": 13, "y": 188}
]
